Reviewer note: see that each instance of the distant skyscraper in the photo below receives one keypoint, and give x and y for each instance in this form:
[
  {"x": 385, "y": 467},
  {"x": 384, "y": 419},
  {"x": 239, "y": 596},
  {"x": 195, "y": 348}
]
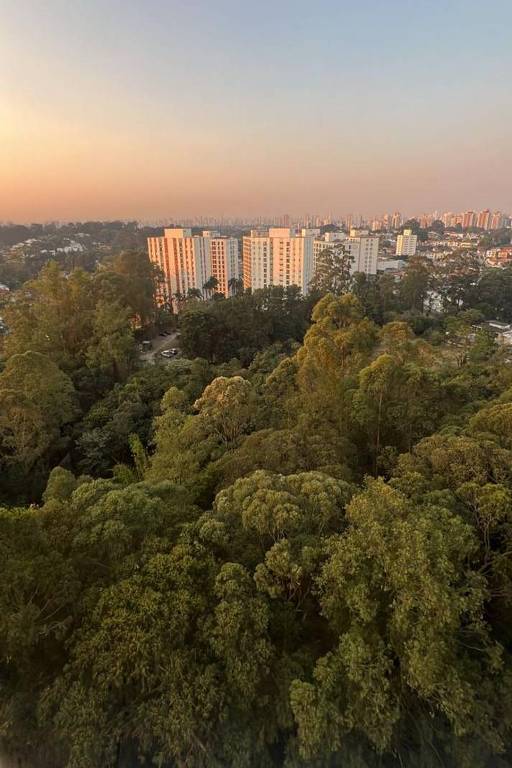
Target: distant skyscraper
[
  {"x": 484, "y": 219},
  {"x": 396, "y": 221},
  {"x": 497, "y": 220},
  {"x": 406, "y": 243},
  {"x": 469, "y": 219}
]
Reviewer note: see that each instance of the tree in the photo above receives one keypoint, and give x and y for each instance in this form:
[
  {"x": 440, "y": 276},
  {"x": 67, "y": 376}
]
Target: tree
[
  {"x": 139, "y": 278},
  {"x": 225, "y": 408},
  {"x": 53, "y": 315},
  {"x": 437, "y": 226},
  {"x": 376, "y": 294},
  {"x": 377, "y": 383},
  {"x": 223, "y": 588},
  {"x": 240, "y": 326},
  {"x": 415, "y": 284},
  {"x": 103, "y": 435},
  {"x": 455, "y": 279},
  {"x": 210, "y": 286},
  {"x": 406, "y": 630},
  {"x": 36, "y": 401},
  {"x": 198, "y": 329},
  {"x": 336, "y": 346},
  {"x": 493, "y": 294},
  {"x": 460, "y": 331},
  {"x": 332, "y": 271},
  {"x": 77, "y": 320},
  {"x": 112, "y": 345},
  {"x": 235, "y": 285}
]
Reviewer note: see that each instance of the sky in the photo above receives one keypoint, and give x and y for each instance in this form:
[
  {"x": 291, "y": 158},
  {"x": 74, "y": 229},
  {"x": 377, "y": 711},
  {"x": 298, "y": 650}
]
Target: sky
[{"x": 155, "y": 109}]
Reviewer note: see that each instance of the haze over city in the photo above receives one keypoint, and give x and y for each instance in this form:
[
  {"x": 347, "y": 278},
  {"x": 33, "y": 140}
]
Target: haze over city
[{"x": 174, "y": 109}]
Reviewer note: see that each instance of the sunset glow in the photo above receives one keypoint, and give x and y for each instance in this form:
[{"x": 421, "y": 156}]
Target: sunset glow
[{"x": 168, "y": 109}]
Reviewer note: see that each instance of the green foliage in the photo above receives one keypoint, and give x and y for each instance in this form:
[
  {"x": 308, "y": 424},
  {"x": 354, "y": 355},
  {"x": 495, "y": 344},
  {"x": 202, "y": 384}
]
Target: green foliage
[
  {"x": 332, "y": 271},
  {"x": 242, "y": 325},
  {"x": 415, "y": 283},
  {"x": 228, "y": 586},
  {"x": 37, "y": 401}
]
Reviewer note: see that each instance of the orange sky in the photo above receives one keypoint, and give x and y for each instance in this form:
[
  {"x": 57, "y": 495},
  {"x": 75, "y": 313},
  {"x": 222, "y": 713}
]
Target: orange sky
[{"x": 109, "y": 109}]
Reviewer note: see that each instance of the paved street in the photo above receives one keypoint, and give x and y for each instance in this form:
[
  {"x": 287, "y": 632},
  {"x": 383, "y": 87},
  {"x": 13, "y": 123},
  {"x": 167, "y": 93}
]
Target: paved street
[{"x": 159, "y": 344}]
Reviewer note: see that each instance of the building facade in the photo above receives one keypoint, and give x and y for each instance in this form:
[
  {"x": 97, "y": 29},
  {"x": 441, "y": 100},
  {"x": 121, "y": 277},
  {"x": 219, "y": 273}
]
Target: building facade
[
  {"x": 223, "y": 261},
  {"x": 362, "y": 247},
  {"x": 188, "y": 261},
  {"x": 497, "y": 220},
  {"x": 484, "y": 219},
  {"x": 257, "y": 260},
  {"x": 469, "y": 219},
  {"x": 326, "y": 241},
  {"x": 406, "y": 243},
  {"x": 278, "y": 256}
]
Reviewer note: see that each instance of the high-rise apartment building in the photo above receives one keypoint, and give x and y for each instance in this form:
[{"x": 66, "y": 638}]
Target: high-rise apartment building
[
  {"x": 321, "y": 243},
  {"x": 364, "y": 249},
  {"x": 396, "y": 221},
  {"x": 484, "y": 219},
  {"x": 188, "y": 261},
  {"x": 360, "y": 245},
  {"x": 497, "y": 220},
  {"x": 278, "y": 256},
  {"x": 406, "y": 243},
  {"x": 469, "y": 219},
  {"x": 223, "y": 260},
  {"x": 257, "y": 260}
]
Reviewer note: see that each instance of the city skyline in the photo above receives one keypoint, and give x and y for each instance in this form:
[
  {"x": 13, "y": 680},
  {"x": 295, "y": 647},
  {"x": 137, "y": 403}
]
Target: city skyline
[
  {"x": 131, "y": 111},
  {"x": 485, "y": 219}
]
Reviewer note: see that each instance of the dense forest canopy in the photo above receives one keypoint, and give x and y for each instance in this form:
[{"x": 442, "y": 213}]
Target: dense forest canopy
[{"x": 289, "y": 547}]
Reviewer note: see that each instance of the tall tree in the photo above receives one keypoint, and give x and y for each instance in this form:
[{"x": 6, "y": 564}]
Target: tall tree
[
  {"x": 112, "y": 344},
  {"x": 332, "y": 271},
  {"x": 36, "y": 401},
  {"x": 210, "y": 286},
  {"x": 139, "y": 284},
  {"x": 415, "y": 284}
]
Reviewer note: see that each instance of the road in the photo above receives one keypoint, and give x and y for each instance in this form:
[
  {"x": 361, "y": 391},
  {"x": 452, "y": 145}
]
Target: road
[{"x": 159, "y": 344}]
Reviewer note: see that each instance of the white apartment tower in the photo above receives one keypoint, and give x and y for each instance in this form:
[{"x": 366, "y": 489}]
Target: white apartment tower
[
  {"x": 223, "y": 260},
  {"x": 278, "y": 256},
  {"x": 406, "y": 243},
  {"x": 187, "y": 261},
  {"x": 322, "y": 243},
  {"x": 362, "y": 247},
  {"x": 257, "y": 260}
]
